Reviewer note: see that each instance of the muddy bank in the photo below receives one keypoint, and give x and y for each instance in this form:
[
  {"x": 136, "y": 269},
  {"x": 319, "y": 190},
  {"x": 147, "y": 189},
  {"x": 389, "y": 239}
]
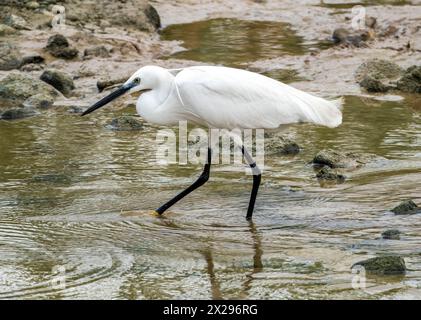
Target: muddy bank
[{"x": 396, "y": 26}]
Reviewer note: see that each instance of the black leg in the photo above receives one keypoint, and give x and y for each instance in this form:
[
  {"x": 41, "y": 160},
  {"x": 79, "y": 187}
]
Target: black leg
[
  {"x": 257, "y": 176},
  {"x": 200, "y": 181}
]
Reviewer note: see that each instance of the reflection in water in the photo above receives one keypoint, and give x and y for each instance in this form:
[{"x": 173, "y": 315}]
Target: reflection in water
[
  {"x": 257, "y": 257},
  {"x": 234, "y": 42},
  {"x": 257, "y": 265},
  {"x": 66, "y": 182},
  {"x": 215, "y": 287}
]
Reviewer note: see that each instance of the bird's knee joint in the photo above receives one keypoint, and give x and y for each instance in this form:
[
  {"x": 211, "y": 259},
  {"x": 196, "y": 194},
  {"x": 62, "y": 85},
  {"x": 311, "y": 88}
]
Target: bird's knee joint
[
  {"x": 204, "y": 177},
  {"x": 255, "y": 169}
]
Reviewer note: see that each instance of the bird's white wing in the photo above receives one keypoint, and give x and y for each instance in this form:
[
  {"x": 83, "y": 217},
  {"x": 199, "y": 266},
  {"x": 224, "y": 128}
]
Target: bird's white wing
[{"x": 233, "y": 98}]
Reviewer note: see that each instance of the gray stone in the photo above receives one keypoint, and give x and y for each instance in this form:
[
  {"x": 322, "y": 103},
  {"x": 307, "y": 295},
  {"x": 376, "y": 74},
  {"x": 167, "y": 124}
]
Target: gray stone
[
  {"x": 17, "y": 113},
  {"x": 336, "y": 159},
  {"x": 279, "y": 144},
  {"x": 374, "y": 85},
  {"x": 59, "y": 47},
  {"x": 378, "y": 75},
  {"x": 32, "y": 67},
  {"x": 32, "y": 5},
  {"x": 153, "y": 16},
  {"x": 10, "y": 58},
  {"x": 38, "y": 101},
  {"x": 411, "y": 80},
  {"x": 102, "y": 84},
  {"x": 391, "y": 234},
  {"x": 354, "y": 38},
  {"x": 32, "y": 59},
  {"x": 406, "y": 207},
  {"x": 97, "y": 51},
  {"x": 18, "y": 87},
  {"x": 6, "y": 30},
  {"x": 329, "y": 174},
  {"x": 59, "y": 80},
  {"x": 387, "y": 265},
  {"x": 16, "y": 22},
  {"x": 125, "y": 123}
]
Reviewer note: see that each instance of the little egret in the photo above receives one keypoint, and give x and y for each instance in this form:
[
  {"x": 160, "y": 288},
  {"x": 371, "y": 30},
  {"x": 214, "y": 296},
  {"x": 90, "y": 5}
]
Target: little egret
[{"x": 224, "y": 98}]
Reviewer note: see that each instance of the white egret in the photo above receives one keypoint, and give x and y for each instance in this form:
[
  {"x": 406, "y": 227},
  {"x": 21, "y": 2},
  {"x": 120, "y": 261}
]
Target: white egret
[{"x": 224, "y": 98}]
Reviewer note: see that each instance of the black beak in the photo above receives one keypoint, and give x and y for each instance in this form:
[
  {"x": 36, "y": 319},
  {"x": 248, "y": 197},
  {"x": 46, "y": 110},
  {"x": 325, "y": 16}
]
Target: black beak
[{"x": 113, "y": 95}]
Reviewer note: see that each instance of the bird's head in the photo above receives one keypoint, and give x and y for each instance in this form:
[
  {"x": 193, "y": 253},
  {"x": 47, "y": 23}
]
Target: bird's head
[{"x": 145, "y": 79}]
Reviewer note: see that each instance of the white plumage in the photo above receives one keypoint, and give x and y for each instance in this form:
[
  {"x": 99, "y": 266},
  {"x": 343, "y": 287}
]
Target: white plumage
[
  {"x": 228, "y": 98},
  {"x": 223, "y": 98}
]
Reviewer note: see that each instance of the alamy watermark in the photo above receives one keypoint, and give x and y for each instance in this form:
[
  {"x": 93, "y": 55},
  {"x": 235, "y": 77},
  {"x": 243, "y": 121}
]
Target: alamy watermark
[
  {"x": 59, "y": 17},
  {"x": 58, "y": 280},
  {"x": 185, "y": 146},
  {"x": 359, "y": 16}
]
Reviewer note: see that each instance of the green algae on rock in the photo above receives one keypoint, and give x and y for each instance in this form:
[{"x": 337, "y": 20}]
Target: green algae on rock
[
  {"x": 386, "y": 265},
  {"x": 18, "y": 87},
  {"x": 59, "y": 80},
  {"x": 391, "y": 234},
  {"x": 336, "y": 159},
  {"x": 378, "y": 75},
  {"x": 125, "y": 123},
  {"x": 327, "y": 173},
  {"x": 411, "y": 80},
  {"x": 406, "y": 207}
]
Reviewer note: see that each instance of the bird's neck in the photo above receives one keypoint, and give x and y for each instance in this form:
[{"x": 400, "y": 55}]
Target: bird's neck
[
  {"x": 161, "y": 92},
  {"x": 150, "y": 104}
]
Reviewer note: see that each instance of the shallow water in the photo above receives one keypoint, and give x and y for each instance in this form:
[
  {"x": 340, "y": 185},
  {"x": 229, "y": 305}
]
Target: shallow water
[
  {"x": 233, "y": 42},
  {"x": 69, "y": 186},
  {"x": 75, "y": 201}
]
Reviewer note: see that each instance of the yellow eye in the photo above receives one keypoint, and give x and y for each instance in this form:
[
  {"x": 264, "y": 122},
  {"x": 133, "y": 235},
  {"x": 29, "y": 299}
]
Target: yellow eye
[{"x": 136, "y": 80}]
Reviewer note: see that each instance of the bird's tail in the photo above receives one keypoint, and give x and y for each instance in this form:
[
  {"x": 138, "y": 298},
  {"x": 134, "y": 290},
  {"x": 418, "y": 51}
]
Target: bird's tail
[{"x": 321, "y": 111}]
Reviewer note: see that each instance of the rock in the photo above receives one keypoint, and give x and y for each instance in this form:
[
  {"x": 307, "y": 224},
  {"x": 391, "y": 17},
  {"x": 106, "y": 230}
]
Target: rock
[
  {"x": 125, "y": 123},
  {"x": 32, "y": 67},
  {"x": 59, "y": 80},
  {"x": 17, "y": 113},
  {"x": 327, "y": 173},
  {"x": 411, "y": 80},
  {"x": 102, "y": 84},
  {"x": 104, "y": 24},
  {"x": 10, "y": 58},
  {"x": 334, "y": 159},
  {"x": 390, "y": 30},
  {"x": 38, "y": 101},
  {"x": 32, "y": 59},
  {"x": 356, "y": 38},
  {"x": 371, "y": 22},
  {"x": 18, "y": 87},
  {"x": 391, "y": 234},
  {"x": 153, "y": 16},
  {"x": 406, "y": 207},
  {"x": 378, "y": 75},
  {"x": 32, "y": 5},
  {"x": 16, "y": 22},
  {"x": 97, "y": 51},
  {"x": 387, "y": 265},
  {"x": 59, "y": 47},
  {"x": 279, "y": 144},
  {"x": 340, "y": 35},
  {"x": 6, "y": 30},
  {"x": 374, "y": 85}
]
